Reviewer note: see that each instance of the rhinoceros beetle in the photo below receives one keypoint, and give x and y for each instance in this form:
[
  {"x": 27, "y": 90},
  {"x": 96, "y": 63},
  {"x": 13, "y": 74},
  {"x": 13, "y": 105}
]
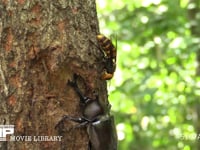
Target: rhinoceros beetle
[{"x": 100, "y": 124}]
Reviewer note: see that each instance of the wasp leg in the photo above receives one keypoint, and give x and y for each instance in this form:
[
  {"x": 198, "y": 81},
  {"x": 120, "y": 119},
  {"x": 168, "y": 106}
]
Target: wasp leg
[{"x": 98, "y": 47}]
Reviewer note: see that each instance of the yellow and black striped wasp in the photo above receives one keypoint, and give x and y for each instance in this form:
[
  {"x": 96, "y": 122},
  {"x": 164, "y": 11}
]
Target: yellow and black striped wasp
[{"x": 110, "y": 54}]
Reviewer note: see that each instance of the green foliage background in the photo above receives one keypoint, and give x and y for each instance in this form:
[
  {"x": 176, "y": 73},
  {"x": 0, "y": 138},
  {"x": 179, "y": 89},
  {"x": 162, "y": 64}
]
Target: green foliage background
[{"x": 155, "y": 91}]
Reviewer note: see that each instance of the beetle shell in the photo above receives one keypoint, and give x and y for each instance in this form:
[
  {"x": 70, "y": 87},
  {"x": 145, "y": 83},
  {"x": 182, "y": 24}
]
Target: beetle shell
[{"x": 102, "y": 134}]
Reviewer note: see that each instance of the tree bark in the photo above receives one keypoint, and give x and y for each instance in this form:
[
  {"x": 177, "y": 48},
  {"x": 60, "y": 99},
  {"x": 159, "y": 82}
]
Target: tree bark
[{"x": 43, "y": 43}]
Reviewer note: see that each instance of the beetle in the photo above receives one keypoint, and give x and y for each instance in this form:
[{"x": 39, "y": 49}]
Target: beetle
[
  {"x": 110, "y": 54},
  {"x": 99, "y": 123}
]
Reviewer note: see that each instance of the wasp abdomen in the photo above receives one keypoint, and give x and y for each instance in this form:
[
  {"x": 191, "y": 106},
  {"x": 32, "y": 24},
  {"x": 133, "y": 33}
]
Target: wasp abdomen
[{"x": 107, "y": 45}]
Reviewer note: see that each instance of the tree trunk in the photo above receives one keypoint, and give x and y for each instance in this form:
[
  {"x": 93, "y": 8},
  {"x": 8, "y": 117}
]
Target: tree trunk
[{"x": 43, "y": 43}]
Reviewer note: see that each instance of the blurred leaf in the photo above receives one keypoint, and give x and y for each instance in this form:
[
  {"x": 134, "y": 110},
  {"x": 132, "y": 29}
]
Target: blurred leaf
[{"x": 155, "y": 90}]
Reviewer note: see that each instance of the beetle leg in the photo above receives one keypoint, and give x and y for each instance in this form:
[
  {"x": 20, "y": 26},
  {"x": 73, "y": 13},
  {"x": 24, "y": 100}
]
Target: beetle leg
[
  {"x": 73, "y": 84},
  {"x": 74, "y": 119},
  {"x": 82, "y": 121},
  {"x": 81, "y": 125},
  {"x": 89, "y": 146}
]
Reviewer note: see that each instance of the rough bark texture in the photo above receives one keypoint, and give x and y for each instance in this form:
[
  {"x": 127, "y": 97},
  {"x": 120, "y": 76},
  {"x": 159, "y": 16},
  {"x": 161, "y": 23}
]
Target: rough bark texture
[{"x": 42, "y": 44}]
